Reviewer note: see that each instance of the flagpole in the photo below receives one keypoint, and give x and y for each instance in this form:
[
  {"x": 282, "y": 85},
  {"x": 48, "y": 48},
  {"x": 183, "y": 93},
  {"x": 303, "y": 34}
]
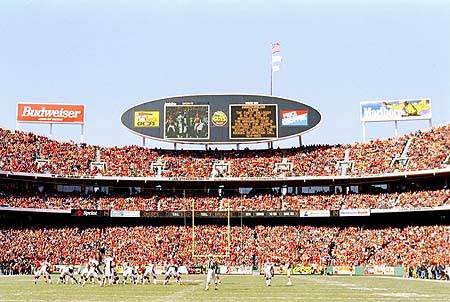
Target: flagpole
[{"x": 271, "y": 70}]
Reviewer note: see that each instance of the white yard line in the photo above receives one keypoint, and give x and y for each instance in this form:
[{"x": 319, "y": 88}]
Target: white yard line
[
  {"x": 410, "y": 279},
  {"x": 383, "y": 293}
]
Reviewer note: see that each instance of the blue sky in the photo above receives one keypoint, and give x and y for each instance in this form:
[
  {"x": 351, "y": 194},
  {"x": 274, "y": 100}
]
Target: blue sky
[{"x": 111, "y": 55}]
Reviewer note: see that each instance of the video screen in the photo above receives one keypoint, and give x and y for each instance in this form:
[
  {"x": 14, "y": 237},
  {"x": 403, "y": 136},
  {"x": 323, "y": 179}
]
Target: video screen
[{"x": 186, "y": 122}]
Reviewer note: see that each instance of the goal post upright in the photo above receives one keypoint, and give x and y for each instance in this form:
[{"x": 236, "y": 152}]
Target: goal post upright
[
  {"x": 228, "y": 250},
  {"x": 193, "y": 228}
]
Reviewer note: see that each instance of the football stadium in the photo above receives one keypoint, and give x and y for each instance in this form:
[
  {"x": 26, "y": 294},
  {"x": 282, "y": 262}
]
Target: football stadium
[
  {"x": 219, "y": 198},
  {"x": 80, "y": 215}
]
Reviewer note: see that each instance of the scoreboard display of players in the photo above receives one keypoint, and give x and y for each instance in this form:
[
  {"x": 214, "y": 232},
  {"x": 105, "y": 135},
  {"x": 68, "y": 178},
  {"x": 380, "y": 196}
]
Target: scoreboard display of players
[{"x": 220, "y": 119}]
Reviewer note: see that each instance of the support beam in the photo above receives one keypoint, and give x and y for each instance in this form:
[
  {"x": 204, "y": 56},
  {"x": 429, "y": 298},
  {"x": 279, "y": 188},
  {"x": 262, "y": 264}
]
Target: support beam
[
  {"x": 364, "y": 131},
  {"x": 82, "y": 134}
]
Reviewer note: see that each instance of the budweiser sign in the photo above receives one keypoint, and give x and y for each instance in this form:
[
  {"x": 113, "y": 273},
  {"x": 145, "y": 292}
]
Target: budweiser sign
[{"x": 50, "y": 113}]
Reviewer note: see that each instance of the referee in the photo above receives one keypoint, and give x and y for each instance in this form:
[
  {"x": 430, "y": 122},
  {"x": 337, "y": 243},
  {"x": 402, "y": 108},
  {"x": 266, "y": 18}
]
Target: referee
[{"x": 211, "y": 272}]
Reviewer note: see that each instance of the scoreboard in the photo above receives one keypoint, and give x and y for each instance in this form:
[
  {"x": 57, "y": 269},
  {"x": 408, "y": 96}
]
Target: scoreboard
[
  {"x": 253, "y": 121},
  {"x": 221, "y": 118}
]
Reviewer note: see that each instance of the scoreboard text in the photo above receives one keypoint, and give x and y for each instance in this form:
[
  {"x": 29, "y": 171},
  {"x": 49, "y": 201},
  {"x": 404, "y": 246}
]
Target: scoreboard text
[{"x": 253, "y": 121}]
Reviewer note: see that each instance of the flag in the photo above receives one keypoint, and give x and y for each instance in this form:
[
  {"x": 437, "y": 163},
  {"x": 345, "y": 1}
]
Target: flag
[
  {"x": 275, "y": 68},
  {"x": 276, "y": 59},
  {"x": 276, "y": 47}
]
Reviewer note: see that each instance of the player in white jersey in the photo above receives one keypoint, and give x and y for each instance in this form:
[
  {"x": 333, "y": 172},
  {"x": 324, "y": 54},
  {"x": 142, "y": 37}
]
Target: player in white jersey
[
  {"x": 42, "y": 270},
  {"x": 172, "y": 271},
  {"x": 83, "y": 270},
  {"x": 447, "y": 272},
  {"x": 67, "y": 273},
  {"x": 268, "y": 272},
  {"x": 127, "y": 271},
  {"x": 92, "y": 271},
  {"x": 211, "y": 272},
  {"x": 289, "y": 272},
  {"x": 109, "y": 269},
  {"x": 149, "y": 272}
]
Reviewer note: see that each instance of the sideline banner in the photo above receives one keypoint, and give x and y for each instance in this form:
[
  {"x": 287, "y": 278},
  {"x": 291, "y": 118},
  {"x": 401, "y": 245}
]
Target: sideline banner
[
  {"x": 240, "y": 270},
  {"x": 343, "y": 270},
  {"x": 379, "y": 270},
  {"x": 303, "y": 270}
]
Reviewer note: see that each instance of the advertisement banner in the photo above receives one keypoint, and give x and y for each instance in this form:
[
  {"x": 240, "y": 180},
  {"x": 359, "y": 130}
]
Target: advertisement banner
[
  {"x": 343, "y": 270},
  {"x": 294, "y": 117},
  {"x": 151, "y": 213},
  {"x": 196, "y": 269},
  {"x": 116, "y": 213},
  {"x": 182, "y": 269},
  {"x": 146, "y": 119},
  {"x": 223, "y": 269},
  {"x": 175, "y": 214},
  {"x": 240, "y": 270},
  {"x": 89, "y": 213},
  {"x": 278, "y": 270},
  {"x": 315, "y": 213},
  {"x": 50, "y": 113},
  {"x": 303, "y": 270},
  {"x": 379, "y": 270},
  {"x": 354, "y": 212},
  {"x": 395, "y": 110},
  {"x": 219, "y": 119}
]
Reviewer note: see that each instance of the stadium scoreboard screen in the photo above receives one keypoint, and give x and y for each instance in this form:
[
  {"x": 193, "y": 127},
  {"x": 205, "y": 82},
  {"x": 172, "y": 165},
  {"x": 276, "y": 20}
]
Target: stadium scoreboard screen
[
  {"x": 220, "y": 119},
  {"x": 253, "y": 121}
]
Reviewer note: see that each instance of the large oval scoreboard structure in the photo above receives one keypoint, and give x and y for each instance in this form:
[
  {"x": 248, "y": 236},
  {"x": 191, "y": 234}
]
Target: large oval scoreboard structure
[{"x": 221, "y": 119}]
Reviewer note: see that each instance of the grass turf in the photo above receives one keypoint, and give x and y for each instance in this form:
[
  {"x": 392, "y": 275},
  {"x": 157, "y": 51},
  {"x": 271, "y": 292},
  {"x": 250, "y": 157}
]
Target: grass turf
[{"x": 233, "y": 288}]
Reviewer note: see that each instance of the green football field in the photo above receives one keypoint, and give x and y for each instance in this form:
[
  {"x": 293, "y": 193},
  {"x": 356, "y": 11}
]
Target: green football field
[{"x": 234, "y": 288}]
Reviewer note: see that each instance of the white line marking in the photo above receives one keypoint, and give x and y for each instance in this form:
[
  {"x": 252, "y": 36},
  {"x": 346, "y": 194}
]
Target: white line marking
[{"x": 410, "y": 279}]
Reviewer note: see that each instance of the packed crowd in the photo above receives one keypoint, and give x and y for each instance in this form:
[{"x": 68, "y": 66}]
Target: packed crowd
[
  {"x": 27, "y": 152},
  {"x": 261, "y": 202},
  {"x": 300, "y": 245},
  {"x": 429, "y": 149}
]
